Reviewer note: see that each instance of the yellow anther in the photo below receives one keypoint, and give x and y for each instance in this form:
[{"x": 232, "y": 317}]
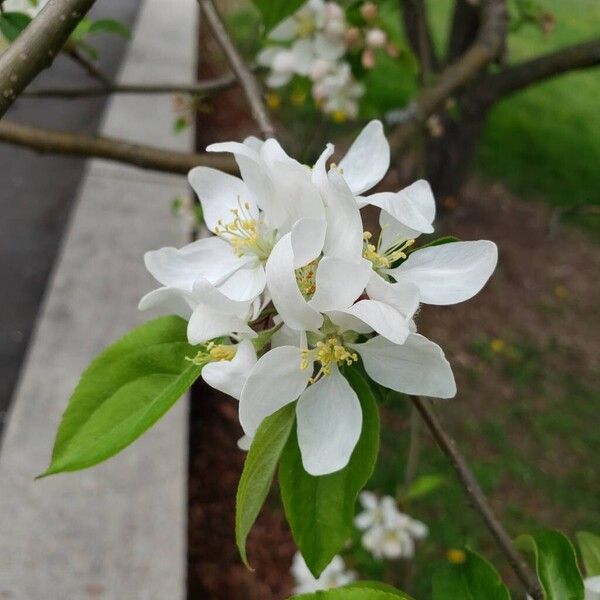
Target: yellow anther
[
  {"x": 328, "y": 353},
  {"x": 456, "y": 556},
  {"x": 219, "y": 352},
  {"x": 306, "y": 278},
  {"x": 384, "y": 260},
  {"x": 273, "y": 101},
  {"x": 367, "y": 235},
  {"x": 339, "y": 116}
]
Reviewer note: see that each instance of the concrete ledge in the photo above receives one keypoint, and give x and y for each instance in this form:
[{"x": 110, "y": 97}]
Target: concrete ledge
[{"x": 116, "y": 531}]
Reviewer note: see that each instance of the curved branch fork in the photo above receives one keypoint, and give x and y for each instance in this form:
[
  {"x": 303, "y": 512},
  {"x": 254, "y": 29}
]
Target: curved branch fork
[{"x": 480, "y": 503}]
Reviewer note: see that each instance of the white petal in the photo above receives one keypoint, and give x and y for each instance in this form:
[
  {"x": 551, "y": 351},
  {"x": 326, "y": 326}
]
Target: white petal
[
  {"x": 348, "y": 322},
  {"x": 393, "y": 232},
  {"x": 592, "y": 588},
  {"x": 209, "y": 295},
  {"x": 364, "y": 520},
  {"x": 329, "y": 424},
  {"x": 211, "y": 258},
  {"x": 219, "y": 194},
  {"x": 344, "y": 224},
  {"x": 402, "y": 210},
  {"x": 246, "y": 283},
  {"x": 327, "y": 48},
  {"x": 319, "y": 170},
  {"x": 285, "y": 31},
  {"x": 416, "y": 367},
  {"x": 287, "y": 298},
  {"x": 308, "y": 236},
  {"x": 275, "y": 380},
  {"x": 339, "y": 283},
  {"x": 169, "y": 300},
  {"x": 276, "y": 80},
  {"x": 449, "y": 273},
  {"x": 207, "y": 323},
  {"x": 368, "y": 500},
  {"x": 302, "y": 52},
  {"x": 244, "y": 443},
  {"x": 288, "y": 337},
  {"x": 367, "y": 160},
  {"x": 229, "y": 376},
  {"x": 389, "y": 309}
]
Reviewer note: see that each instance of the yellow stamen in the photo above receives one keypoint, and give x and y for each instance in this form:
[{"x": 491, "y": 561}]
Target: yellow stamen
[
  {"x": 219, "y": 352},
  {"x": 306, "y": 277},
  {"x": 384, "y": 260},
  {"x": 328, "y": 353},
  {"x": 456, "y": 556},
  {"x": 273, "y": 101},
  {"x": 339, "y": 116}
]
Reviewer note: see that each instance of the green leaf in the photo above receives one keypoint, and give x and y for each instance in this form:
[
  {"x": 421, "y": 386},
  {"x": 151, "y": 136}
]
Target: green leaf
[
  {"x": 589, "y": 546},
  {"x": 109, "y": 26},
  {"x": 320, "y": 510},
  {"x": 179, "y": 124},
  {"x": 12, "y": 24},
  {"x": 423, "y": 486},
  {"x": 274, "y": 11},
  {"x": 378, "y": 586},
  {"x": 259, "y": 468},
  {"x": 354, "y": 592},
  {"x": 473, "y": 579},
  {"x": 123, "y": 392},
  {"x": 555, "y": 563},
  {"x": 446, "y": 239}
]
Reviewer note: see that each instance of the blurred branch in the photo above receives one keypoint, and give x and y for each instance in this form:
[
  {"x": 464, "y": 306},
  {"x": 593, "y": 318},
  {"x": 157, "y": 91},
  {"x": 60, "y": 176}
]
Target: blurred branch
[
  {"x": 241, "y": 70},
  {"x": 418, "y": 32},
  {"x": 465, "y": 22},
  {"x": 88, "y": 66},
  {"x": 512, "y": 79},
  {"x": 37, "y": 46},
  {"x": 139, "y": 155},
  {"x": 195, "y": 89},
  {"x": 477, "y": 497},
  {"x": 486, "y": 47}
]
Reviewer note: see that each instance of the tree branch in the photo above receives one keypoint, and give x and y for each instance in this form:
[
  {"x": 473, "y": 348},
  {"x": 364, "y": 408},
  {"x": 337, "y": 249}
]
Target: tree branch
[
  {"x": 492, "y": 87},
  {"x": 488, "y": 44},
  {"x": 246, "y": 78},
  {"x": 37, "y": 46},
  {"x": 139, "y": 155},
  {"x": 465, "y": 22},
  {"x": 88, "y": 66},
  {"x": 477, "y": 497},
  {"x": 414, "y": 16},
  {"x": 195, "y": 89}
]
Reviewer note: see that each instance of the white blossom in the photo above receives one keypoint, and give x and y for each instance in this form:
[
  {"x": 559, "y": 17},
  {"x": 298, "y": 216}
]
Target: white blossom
[
  {"x": 334, "y": 575},
  {"x": 388, "y": 533}
]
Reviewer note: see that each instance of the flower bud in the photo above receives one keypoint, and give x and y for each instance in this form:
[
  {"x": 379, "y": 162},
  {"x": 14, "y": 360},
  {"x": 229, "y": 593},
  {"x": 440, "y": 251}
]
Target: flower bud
[
  {"x": 376, "y": 38},
  {"x": 334, "y": 11},
  {"x": 368, "y": 58},
  {"x": 352, "y": 36},
  {"x": 368, "y": 11}
]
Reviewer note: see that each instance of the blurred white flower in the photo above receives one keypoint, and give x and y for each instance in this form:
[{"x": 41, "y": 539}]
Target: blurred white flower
[
  {"x": 376, "y": 38},
  {"x": 388, "y": 532},
  {"x": 338, "y": 93},
  {"x": 334, "y": 575}
]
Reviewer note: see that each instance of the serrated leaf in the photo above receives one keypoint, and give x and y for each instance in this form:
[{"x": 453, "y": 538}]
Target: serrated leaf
[
  {"x": 123, "y": 392},
  {"x": 589, "y": 546},
  {"x": 473, "y": 579},
  {"x": 109, "y": 26},
  {"x": 353, "y": 592},
  {"x": 320, "y": 510},
  {"x": 555, "y": 564},
  {"x": 259, "y": 467},
  {"x": 423, "y": 486},
  {"x": 12, "y": 24},
  {"x": 275, "y": 11}
]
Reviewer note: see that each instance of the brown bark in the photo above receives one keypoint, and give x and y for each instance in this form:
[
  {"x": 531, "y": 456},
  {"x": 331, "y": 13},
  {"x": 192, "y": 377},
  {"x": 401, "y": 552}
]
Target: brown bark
[
  {"x": 139, "y": 155},
  {"x": 418, "y": 32}
]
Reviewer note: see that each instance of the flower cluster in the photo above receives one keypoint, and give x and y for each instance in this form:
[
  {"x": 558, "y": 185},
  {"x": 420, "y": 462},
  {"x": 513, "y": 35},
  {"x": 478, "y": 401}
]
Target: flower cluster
[
  {"x": 314, "y": 43},
  {"x": 388, "y": 533},
  {"x": 291, "y": 266},
  {"x": 334, "y": 575}
]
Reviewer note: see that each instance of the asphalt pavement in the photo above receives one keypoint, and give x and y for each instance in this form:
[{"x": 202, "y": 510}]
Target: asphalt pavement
[{"x": 37, "y": 194}]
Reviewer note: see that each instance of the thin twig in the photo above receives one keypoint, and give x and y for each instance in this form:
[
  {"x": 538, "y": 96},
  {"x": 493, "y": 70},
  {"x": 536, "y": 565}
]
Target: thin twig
[
  {"x": 412, "y": 460},
  {"x": 239, "y": 67},
  {"x": 477, "y": 497},
  {"x": 139, "y": 155},
  {"x": 195, "y": 89},
  {"x": 37, "y": 46},
  {"x": 88, "y": 66}
]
